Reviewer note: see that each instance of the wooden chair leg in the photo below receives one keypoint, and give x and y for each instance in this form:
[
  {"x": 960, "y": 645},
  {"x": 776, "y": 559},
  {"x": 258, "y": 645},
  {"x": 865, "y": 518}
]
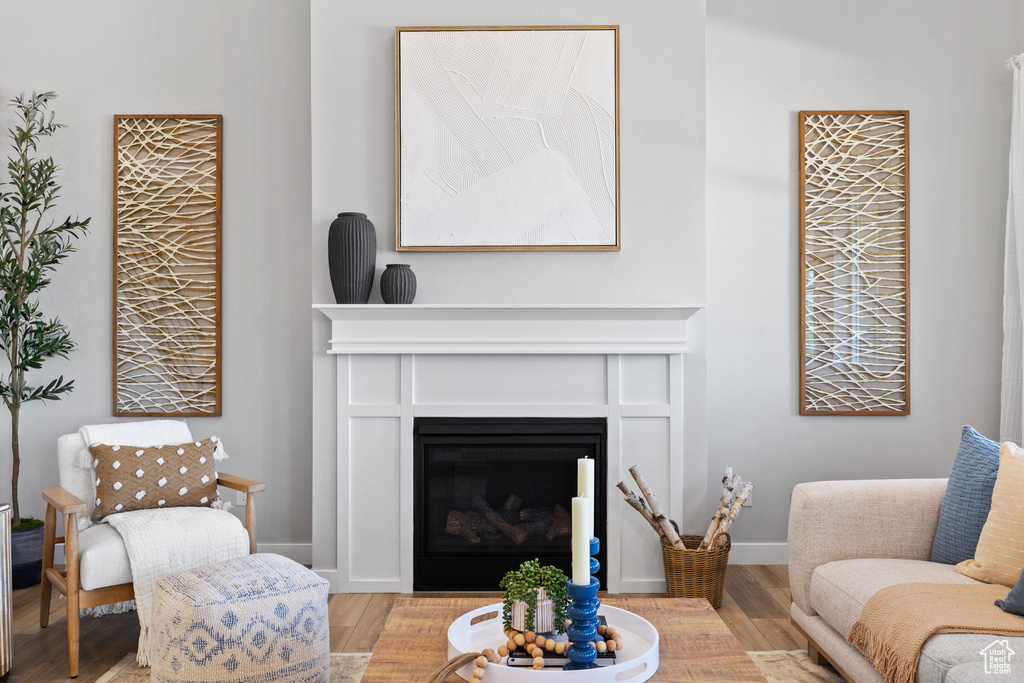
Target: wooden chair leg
[
  {"x": 74, "y": 630},
  {"x": 815, "y": 654},
  {"x": 71, "y": 551},
  {"x": 49, "y": 534},
  {"x": 250, "y": 521}
]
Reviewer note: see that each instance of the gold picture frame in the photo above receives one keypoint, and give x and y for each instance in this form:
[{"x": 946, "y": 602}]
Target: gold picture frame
[{"x": 509, "y": 203}]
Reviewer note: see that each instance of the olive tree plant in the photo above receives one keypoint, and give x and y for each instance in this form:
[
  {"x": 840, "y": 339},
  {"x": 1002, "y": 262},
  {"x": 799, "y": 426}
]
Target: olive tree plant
[{"x": 31, "y": 246}]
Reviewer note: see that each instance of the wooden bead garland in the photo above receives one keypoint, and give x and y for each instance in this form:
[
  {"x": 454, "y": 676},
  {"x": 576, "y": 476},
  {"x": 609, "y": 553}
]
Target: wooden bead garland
[{"x": 535, "y": 646}]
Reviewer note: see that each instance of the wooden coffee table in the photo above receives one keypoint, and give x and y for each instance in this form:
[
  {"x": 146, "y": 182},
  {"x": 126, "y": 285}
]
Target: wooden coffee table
[{"x": 696, "y": 645}]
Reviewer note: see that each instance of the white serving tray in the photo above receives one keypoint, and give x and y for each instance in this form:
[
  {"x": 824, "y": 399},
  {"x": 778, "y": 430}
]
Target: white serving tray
[{"x": 481, "y": 628}]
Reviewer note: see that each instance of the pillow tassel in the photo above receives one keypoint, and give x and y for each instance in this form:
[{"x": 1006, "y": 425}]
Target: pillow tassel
[
  {"x": 84, "y": 459},
  {"x": 218, "y": 452}
]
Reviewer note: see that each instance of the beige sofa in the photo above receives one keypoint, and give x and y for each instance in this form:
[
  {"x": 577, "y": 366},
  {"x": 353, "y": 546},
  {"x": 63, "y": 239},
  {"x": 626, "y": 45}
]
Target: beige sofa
[{"x": 850, "y": 539}]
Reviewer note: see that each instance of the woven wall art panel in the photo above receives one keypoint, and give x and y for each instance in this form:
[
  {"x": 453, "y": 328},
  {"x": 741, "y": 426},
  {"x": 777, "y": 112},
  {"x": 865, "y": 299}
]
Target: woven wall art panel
[
  {"x": 167, "y": 215},
  {"x": 854, "y": 333}
]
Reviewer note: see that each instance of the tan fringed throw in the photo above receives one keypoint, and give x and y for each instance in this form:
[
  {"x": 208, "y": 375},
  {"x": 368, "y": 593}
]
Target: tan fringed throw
[{"x": 896, "y": 622}]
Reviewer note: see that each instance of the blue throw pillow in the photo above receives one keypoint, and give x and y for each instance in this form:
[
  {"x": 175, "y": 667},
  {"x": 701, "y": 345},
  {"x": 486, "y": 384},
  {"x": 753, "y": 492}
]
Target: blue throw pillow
[
  {"x": 968, "y": 498},
  {"x": 1014, "y": 602}
]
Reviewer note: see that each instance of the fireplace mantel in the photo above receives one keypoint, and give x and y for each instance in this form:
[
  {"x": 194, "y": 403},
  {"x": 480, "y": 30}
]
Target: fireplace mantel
[
  {"x": 508, "y": 328},
  {"x": 623, "y": 363}
]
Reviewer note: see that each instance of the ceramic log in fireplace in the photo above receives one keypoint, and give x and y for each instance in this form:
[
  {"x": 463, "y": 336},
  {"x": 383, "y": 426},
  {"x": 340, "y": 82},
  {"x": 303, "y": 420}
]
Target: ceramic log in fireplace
[{"x": 491, "y": 493}]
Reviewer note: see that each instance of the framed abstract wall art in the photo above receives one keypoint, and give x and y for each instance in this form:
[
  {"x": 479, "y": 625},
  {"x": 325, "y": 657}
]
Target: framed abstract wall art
[
  {"x": 507, "y": 138},
  {"x": 167, "y": 221},
  {"x": 855, "y": 263}
]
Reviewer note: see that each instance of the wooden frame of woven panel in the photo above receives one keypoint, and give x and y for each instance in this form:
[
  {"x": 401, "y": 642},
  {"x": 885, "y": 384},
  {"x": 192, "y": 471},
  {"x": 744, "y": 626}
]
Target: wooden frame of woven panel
[
  {"x": 878, "y": 406},
  {"x": 183, "y": 405}
]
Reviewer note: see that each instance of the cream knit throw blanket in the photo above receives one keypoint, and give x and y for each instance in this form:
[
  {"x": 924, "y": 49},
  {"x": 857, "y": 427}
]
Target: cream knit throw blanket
[{"x": 170, "y": 540}]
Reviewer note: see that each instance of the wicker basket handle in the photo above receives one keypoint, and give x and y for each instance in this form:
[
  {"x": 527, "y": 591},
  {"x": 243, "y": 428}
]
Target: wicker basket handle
[{"x": 720, "y": 538}]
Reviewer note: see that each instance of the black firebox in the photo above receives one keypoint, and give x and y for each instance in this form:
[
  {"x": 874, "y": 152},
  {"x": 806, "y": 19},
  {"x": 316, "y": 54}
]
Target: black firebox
[{"x": 491, "y": 493}]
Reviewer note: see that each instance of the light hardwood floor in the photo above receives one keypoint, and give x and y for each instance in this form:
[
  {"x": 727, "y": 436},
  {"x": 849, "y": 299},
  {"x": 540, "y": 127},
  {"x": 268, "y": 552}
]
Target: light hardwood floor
[{"x": 756, "y": 609}]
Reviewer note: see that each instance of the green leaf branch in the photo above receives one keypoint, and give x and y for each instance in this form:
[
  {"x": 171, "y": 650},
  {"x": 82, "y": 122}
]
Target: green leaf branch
[{"x": 31, "y": 248}]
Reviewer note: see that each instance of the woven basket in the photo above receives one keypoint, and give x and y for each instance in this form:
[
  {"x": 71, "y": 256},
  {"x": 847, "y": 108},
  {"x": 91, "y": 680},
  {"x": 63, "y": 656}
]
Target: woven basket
[{"x": 693, "y": 573}]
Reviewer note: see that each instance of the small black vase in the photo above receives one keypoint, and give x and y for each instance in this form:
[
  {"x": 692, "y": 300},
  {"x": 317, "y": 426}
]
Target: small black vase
[
  {"x": 352, "y": 257},
  {"x": 398, "y": 284}
]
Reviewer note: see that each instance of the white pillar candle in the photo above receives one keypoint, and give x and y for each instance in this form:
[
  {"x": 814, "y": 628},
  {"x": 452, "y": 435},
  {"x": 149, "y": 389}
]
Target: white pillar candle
[
  {"x": 585, "y": 478},
  {"x": 585, "y": 487},
  {"x": 581, "y": 510}
]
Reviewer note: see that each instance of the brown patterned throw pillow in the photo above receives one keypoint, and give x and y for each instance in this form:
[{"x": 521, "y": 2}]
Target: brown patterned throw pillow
[{"x": 140, "y": 478}]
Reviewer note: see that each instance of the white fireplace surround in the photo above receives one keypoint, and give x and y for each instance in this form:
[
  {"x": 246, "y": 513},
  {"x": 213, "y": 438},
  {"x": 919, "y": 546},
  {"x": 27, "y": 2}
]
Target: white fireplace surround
[{"x": 395, "y": 363}]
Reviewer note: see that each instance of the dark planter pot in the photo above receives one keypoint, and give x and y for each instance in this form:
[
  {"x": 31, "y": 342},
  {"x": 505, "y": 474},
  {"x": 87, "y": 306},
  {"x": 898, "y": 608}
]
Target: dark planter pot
[
  {"x": 398, "y": 284},
  {"x": 26, "y": 557},
  {"x": 352, "y": 257}
]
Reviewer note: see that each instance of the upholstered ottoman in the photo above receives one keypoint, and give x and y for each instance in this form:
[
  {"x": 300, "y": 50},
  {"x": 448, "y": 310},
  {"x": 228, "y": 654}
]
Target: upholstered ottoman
[{"x": 258, "y": 618}]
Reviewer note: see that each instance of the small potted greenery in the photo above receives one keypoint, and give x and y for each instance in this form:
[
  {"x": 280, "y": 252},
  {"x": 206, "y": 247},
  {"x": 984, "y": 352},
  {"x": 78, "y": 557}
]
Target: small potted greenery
[
  {"x": 31, "y": 246},
  {"x": 535, "y": 598}
]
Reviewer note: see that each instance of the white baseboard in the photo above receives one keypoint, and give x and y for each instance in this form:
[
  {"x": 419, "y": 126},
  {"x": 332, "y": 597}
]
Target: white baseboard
[
  {"x": 759, "y": 553},
  {"x": 300, "y": 552},
  {"x": 741, "y": 553}
]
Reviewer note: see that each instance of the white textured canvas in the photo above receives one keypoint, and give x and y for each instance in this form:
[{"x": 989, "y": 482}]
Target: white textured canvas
[{"x": 508, "y": 138}]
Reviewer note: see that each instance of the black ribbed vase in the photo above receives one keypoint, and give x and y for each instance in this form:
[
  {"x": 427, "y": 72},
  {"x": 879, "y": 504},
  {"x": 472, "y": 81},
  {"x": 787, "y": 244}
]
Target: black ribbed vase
[
  {"x": 398, "y": 284},
  {"x": 352, "y": 256}
]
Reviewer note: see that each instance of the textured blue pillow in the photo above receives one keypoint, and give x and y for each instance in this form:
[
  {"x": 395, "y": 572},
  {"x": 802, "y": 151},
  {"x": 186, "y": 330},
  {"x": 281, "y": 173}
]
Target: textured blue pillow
[{"x": 968, "y": 498}]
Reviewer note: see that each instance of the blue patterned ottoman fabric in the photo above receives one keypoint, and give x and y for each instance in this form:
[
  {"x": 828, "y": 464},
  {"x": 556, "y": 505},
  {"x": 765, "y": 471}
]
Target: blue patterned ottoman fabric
[
  {"x": 967, "y": 500},
  {"x": 254, "y": 619}
]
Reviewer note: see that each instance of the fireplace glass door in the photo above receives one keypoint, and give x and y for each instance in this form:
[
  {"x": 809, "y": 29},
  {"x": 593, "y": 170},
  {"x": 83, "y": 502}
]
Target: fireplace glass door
[{"x": 491, "y": 493}]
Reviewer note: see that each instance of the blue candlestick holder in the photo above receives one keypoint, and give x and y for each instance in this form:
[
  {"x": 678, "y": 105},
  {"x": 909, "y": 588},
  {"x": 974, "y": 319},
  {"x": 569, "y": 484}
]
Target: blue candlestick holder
[{"x": 582, "y": 612}]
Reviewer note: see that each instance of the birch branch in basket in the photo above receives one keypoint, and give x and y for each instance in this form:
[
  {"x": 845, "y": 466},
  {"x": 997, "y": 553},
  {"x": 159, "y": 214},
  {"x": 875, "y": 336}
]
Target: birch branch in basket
[
  {"x": 653, "y": 513},
  {"x": 734, "y": 493},
  {"x": 729, "y": 484},
  {"x": 748, "y": 488},
  {"x": 639, "y": 506},
  {"x": 729, "y": 506}
]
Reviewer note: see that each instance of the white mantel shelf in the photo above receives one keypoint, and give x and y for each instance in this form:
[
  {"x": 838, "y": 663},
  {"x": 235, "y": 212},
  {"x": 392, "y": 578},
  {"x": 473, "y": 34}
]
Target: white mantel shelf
[{"x": 508, "y": 328}]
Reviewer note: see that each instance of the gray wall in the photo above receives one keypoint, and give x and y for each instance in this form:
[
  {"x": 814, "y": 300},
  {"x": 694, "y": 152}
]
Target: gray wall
[
  {"x": 943, "y": 61},
  {"x": 247, "y": 60},
  {"x": 662, "y": 166}
]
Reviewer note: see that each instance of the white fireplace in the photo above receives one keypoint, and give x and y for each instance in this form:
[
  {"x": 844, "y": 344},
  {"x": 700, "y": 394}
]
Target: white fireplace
[{"x": 624, "y": 363}]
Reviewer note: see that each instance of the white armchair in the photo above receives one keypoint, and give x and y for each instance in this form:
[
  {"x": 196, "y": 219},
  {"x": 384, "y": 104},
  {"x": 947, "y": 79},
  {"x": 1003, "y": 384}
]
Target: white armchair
[{"x": 97, "y": 567}]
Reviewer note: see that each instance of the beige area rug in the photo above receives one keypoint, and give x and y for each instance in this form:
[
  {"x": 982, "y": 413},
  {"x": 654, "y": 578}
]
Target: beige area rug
[
  {"x": 780, "y": 666},
  {"x": 345, "y": 668},
  {"x": 777, "y": 666}
]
